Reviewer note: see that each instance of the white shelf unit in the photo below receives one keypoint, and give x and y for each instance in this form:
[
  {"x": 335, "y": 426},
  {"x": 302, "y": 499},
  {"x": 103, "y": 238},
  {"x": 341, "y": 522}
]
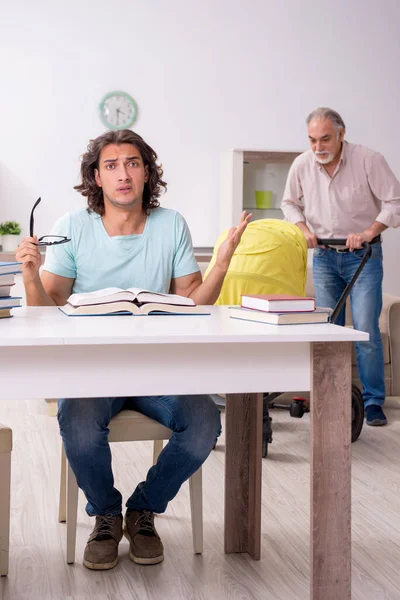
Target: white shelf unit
[{"x": 243, "y": 171}]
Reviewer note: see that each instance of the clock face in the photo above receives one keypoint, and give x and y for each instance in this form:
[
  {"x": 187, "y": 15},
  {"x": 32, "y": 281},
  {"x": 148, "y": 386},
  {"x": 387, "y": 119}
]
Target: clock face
[{"x": 118, "y": 110}]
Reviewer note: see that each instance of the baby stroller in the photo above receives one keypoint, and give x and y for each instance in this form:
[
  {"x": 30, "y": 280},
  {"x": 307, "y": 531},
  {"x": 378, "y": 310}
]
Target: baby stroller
[{"x": 272, "y": 259}]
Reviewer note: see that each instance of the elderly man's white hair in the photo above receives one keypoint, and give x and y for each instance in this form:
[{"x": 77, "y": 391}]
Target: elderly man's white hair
[{"x": 327, "y": 113}]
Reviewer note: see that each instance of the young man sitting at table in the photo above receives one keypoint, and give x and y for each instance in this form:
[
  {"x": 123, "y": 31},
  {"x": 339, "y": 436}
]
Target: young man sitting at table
[{"x": 125, "y": 239}]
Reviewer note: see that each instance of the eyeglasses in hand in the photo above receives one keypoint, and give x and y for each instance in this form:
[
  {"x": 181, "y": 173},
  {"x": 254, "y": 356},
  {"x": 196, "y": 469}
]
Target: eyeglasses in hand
[{"x": 46, "y": 240}]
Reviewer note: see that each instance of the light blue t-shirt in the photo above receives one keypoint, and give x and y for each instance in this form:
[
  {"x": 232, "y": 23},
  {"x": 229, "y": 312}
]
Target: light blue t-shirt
[{"x": 149, "y": 260}]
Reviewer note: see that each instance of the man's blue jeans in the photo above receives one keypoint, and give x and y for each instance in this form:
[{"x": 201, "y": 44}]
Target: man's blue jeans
[
  {"x": 194, "y": 420},
  {"x": 332, "y": 271}
]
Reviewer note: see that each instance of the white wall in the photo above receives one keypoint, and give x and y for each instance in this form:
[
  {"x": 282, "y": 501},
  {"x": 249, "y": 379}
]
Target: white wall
[{"x": 207, "y": 76}]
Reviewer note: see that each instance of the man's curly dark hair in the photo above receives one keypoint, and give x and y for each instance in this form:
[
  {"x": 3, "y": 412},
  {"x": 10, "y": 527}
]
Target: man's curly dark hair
[{"x": 90, "y": 161}]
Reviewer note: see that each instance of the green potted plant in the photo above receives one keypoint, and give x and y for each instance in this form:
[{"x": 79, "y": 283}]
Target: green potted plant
[{"x": 10, "y": 232}]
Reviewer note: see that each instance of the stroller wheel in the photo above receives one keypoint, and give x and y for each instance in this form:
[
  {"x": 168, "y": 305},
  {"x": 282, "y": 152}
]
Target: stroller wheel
[
  {"x": 357, "y": 410},
  {"x": 297, "y": 407}
]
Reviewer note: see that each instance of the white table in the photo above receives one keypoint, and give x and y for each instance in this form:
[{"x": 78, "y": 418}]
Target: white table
[{"x": 44, "y": 353}]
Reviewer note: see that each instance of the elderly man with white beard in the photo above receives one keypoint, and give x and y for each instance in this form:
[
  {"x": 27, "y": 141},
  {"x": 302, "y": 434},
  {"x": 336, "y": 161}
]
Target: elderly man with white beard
[{"x": 342, "y": 190}]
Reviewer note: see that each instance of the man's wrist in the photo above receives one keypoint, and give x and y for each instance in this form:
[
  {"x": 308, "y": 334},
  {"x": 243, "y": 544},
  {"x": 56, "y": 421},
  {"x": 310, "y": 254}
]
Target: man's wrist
[
  {"x": 302, "y": 225},
  {"x": 32, "y": 283},
  {"x": 373, "y": 230},
  {"x": 368, "y": 235}
]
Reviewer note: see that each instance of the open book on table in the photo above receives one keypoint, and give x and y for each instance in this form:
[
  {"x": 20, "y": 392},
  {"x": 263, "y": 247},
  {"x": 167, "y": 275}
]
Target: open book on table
[
  {"x": 133, "y": 301},
  {"x": 137, "y": 295}
]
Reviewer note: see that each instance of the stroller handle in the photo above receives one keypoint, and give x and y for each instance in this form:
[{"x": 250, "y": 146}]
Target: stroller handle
[{"x": 339, "y": 242}]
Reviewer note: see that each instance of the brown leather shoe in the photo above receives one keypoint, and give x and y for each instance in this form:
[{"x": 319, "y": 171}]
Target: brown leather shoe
[
  {"x": 101, "y": 550},
  {"x": 145, "y": 546}
]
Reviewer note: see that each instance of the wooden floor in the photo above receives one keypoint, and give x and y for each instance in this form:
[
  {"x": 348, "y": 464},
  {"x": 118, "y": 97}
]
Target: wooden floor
[{"x": 37, "y": 557}]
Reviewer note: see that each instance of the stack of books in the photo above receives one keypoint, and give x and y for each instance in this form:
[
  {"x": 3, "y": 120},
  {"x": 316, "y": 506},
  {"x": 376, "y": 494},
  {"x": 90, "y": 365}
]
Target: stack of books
[
  {"x": 8, "y": 270},
  {"x": 279, "y": 309}
]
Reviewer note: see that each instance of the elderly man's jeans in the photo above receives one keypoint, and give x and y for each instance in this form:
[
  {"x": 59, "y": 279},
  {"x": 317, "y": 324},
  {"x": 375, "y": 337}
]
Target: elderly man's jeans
[
  {"x": 194, "y": 421},
  {"x": 332, "y": 271}
]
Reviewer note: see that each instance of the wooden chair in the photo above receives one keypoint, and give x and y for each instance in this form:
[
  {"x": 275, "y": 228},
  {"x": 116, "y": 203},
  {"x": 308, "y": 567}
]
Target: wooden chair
[
  {"x": 127, "y": 426},
  {"x": 5, "y": 488}
]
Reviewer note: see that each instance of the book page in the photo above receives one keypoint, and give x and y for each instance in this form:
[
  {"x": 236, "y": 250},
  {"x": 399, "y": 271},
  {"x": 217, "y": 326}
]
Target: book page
[
  {"x": 114, "y": 294},
  {"x": 95, "y": 297},
  {"x": 175, "y": 299}
]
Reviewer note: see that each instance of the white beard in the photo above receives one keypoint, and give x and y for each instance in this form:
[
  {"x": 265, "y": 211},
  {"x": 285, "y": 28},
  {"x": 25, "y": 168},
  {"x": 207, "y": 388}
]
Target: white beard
[{"x": 324, "y": 158}]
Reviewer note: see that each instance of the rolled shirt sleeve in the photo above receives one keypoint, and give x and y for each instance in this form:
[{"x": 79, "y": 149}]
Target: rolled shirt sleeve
[
  {"x": 292, "y": 203},
  {"x": 184, "y": 260},
  {"x": 60, "y": 259},
  {"x": 385, "y": 188}
]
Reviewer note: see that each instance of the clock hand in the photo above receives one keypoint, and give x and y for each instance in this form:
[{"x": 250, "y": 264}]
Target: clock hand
[{"x": 118, "y": 111}]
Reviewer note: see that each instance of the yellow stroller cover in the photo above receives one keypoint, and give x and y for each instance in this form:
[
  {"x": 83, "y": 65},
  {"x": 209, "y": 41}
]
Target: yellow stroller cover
[{"x": 270, "y": 259}]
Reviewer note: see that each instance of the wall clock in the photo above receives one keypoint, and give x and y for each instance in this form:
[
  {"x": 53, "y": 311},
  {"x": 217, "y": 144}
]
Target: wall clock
[{"x": 118, "y": 110}]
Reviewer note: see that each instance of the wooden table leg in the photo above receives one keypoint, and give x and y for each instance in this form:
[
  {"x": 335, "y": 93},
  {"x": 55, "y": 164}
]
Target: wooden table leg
[
  {"x": 243, "y": 458},
  {"x": 330, "y": 560}
]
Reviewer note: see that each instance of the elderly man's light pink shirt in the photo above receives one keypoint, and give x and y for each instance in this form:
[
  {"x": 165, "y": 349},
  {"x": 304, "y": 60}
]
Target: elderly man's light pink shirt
[{"x": 363, "y": 189}]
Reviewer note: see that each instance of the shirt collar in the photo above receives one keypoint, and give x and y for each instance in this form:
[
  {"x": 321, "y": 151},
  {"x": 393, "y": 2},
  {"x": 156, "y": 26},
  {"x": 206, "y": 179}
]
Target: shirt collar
[{"x": 343, "y": 156}]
